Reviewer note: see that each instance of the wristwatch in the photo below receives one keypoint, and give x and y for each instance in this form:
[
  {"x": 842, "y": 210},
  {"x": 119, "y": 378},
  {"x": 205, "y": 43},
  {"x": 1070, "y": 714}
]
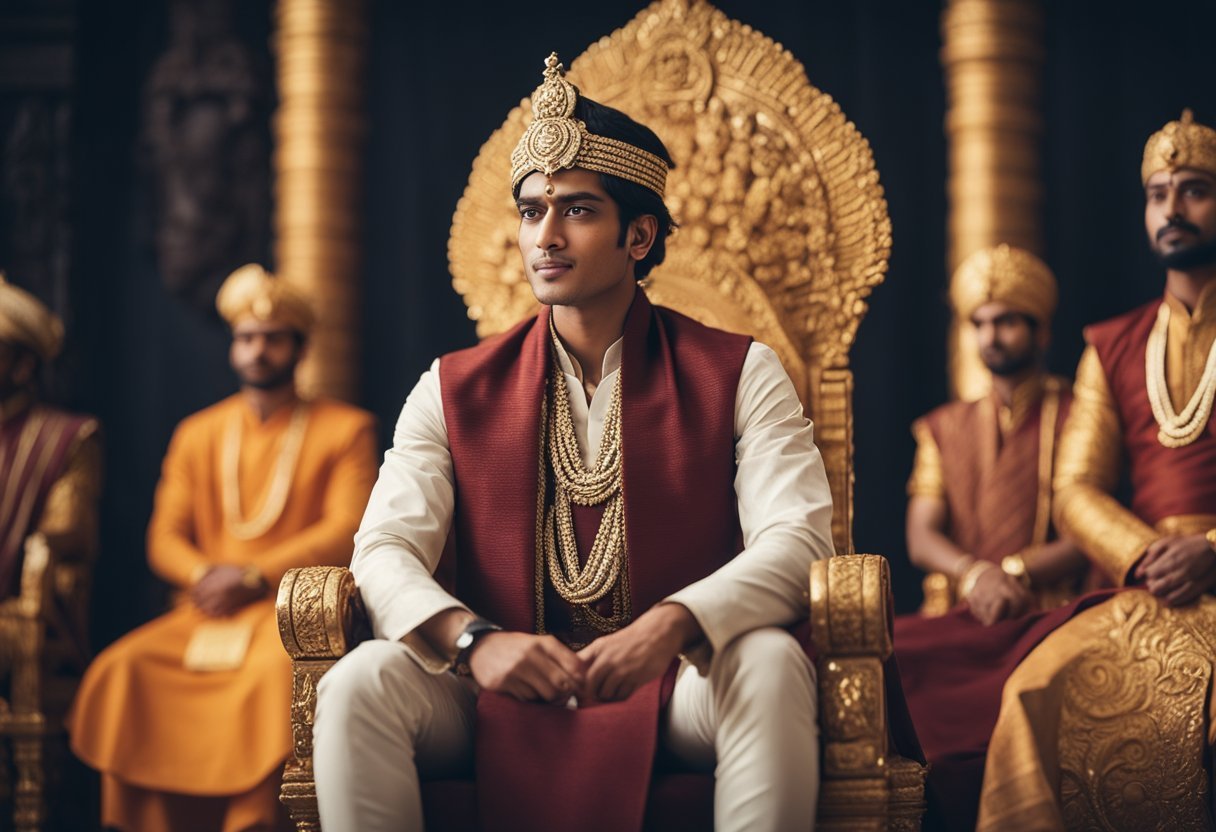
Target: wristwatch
[{"x": 465, "y": 642}]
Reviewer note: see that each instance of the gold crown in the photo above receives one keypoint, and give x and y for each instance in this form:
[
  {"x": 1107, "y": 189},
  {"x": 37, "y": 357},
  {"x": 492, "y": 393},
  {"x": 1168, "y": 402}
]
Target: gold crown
[
  {"x": 1180, "y": 144},
  {"x": 1004, "y": 274},
  {"x": 253, "y": 292},
  {"x": 555, "y": 140}
]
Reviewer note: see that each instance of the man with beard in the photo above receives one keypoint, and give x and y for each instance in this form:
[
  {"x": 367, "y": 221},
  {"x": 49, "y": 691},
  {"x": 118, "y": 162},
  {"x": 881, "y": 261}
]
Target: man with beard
[
  {"x": 979, "y": 518},
  {"x": 187, "y": 717},
  {"x": 1112, "y": 715}
]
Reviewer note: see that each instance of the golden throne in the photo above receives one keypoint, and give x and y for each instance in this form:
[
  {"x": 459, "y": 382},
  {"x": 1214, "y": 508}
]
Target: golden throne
[
  {"x": 784, "y": 232},
  {"x": 44, "y": 647}
]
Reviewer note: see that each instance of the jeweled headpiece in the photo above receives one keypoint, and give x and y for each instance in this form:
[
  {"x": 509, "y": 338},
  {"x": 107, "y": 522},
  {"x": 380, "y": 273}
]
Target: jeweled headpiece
[
  {"x": 1180, "y": 144},
  {"x": 253, "y": 292},
  {"x": 555, "y": 140},
  {"x": 1004, "y": 274}
]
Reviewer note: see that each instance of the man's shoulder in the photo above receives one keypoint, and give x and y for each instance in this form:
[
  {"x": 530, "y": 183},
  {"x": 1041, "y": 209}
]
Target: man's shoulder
[
  {"x": 341, "y": 417},
  {"x": 1112, "y": 329}
]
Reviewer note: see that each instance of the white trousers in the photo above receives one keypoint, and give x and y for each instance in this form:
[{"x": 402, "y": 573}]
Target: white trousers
[{"x": 383, "y": 722}]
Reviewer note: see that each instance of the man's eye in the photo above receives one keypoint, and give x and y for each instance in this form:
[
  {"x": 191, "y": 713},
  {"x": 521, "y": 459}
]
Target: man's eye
[
  {"x": 529, "y": 213},
  {"x": 576, "y": 210}
]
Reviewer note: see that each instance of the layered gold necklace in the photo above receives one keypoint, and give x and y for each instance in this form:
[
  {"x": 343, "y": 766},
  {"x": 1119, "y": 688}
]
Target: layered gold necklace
[
  {"x": 1176, "y": 429},
  {"x": 606, "y": 568},
  {"x": 280, "y": 482}
]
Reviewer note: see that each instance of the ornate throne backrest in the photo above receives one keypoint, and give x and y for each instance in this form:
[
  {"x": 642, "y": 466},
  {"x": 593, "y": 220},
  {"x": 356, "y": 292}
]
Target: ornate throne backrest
[{"x": 783, "y": 227}]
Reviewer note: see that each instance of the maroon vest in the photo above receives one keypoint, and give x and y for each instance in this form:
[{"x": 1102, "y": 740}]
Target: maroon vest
[
  {"x": 678, "y": 385},
  {"x": 539, "y": 766},
  {"x": 1166, "y": 482}
]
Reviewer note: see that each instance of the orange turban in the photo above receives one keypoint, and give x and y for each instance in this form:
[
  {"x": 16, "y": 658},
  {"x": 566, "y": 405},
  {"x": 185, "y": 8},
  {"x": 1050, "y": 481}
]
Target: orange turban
[
  {"x": 1008, "y": 275},
  {"x": 253, "y": 292},
  {"x": 24, "y": 320}
]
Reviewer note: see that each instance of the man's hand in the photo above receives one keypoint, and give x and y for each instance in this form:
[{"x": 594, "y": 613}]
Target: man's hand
[
  {"x": 529, "y": 667},
  {"x": 620, "y": 663},
  {"x": 1178, "y": 569},
  {"x": 997, "y": 596},
  {"x": 223, "y": 591}
]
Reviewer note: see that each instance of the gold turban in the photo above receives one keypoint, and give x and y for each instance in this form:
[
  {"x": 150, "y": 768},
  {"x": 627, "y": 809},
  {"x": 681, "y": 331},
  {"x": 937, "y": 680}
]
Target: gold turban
[
  {"x": 24, "y": 320},
  {"x": 555, "y": 140},
  {"x": 1180, "y": 144},
  {"x": 1008, "y": 275},
  {"x": 253, "y": 292}
]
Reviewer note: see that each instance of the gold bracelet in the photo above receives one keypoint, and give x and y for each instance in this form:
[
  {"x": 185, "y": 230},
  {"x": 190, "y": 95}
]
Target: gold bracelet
[
  {"x": 971, "y": 576},
  {"x": 1015, "y": 567},
  {"x": 251, "y": 578},
  {"x": 961, "y": 566},
  {"x": 1211, "y": 538}
]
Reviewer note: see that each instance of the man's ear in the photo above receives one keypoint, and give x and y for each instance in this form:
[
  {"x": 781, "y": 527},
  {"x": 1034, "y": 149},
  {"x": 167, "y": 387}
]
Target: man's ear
[{"x": 643, "y": 231}]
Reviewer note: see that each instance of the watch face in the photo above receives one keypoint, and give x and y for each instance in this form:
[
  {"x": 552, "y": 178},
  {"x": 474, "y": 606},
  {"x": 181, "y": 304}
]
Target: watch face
[{"x": 464, "y": 640}]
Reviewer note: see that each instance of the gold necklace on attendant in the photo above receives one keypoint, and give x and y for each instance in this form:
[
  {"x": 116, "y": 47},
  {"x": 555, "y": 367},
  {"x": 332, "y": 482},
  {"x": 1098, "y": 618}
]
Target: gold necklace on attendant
[
  {"x": 280, "y": 482},
  {"x": 1176, "y": 429},
  {"x": 606, "y": 567}
]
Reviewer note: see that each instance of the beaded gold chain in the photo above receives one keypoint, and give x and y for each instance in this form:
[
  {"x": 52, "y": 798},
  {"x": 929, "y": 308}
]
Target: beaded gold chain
[
  {"x": 280, "y": 483},
  {"x": 1176, "y": 429},
  {"x": 606, "y": 566}
]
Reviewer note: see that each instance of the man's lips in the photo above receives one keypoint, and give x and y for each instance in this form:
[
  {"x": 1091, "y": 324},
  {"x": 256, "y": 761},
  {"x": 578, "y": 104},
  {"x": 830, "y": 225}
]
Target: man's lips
[{"x": 551, "y": 268}]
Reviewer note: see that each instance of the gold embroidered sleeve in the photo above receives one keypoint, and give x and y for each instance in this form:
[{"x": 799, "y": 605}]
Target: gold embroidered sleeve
[
  {"x": 69, "y": 517},
  {"x": 926, "y": 479},
  {"x": 1087, "y": 471}
]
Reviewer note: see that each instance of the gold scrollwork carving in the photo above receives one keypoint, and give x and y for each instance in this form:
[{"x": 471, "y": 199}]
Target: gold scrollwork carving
[
  {"x": 849, "y": 613},
  {"x": 314, "y": 608},
  {"x": 1132, "y": 734}
]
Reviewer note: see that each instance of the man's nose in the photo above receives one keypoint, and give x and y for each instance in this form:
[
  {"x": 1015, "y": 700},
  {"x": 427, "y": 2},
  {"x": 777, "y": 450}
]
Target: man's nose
[{"x": 548, "y": 235}]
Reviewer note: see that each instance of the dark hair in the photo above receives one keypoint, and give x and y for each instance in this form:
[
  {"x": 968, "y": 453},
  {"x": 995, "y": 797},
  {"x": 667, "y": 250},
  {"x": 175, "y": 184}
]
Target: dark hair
[{"x": 632, "y": 200}]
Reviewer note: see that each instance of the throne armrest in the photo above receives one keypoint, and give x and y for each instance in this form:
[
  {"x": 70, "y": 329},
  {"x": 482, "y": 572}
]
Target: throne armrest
[
  {"x": 320, "y": 613},
  {"x": 851, "y": 628}
]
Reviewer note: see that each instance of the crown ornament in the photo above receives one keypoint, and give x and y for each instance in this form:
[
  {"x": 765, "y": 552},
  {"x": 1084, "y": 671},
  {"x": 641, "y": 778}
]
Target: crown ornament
[
  {"x": 1180, "y": 144},
  {"x": 555, "y": 140}
]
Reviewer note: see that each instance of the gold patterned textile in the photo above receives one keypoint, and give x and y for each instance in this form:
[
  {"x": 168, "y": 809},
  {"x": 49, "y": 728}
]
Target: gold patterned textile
[
  {"x": 1008, "y": 275},
  {"x": 556, "y": 140},
  {"x": 1088, "y": 471},
  {"x": 1180, "y": 144},
  {"x": 24, "y": 320},
  {"x": 1106, "y": 724},
  {"x": 253, "y": 292}
]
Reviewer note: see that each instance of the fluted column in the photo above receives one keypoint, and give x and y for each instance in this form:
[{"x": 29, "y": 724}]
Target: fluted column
[
  {"x": 320, "y": 48},
  {"x": 992, "y": 55}
]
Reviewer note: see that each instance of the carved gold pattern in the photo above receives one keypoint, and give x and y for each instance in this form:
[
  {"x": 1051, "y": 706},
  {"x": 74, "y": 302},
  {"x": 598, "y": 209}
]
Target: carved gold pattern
[
  {"x": 784, "y": 229},
  {"x": 849, "y": 605},
  {"x": 315, "y": 609},
  {"x": 1132, "y": 734}
]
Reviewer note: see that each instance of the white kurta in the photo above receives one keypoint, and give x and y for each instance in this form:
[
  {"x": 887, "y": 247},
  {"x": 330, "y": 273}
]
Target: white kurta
[{"x": 784, "y": 502}]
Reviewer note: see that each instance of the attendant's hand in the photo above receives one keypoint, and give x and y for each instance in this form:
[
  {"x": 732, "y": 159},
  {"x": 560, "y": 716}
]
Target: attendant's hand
[
  {"x": 997, "y": 596},
  {"x": 1178, "y": 569},
  {"x": 620, "y": 663},
  {"x": 223, "y": 591},
  {"x": 529, "y": 667}
]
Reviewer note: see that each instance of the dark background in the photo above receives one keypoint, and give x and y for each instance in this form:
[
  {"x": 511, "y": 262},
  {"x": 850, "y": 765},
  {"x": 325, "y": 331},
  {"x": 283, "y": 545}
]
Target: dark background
[{"x": 440, "y": 80}]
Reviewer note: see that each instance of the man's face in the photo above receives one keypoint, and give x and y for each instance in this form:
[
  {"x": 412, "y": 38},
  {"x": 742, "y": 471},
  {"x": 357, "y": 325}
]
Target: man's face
[
  {"x": 568, "y": 239},
  {"x": 1180, "y": 217},
  {"x": 1007, "y": 341},
  {"x": 264, "y": 354}
]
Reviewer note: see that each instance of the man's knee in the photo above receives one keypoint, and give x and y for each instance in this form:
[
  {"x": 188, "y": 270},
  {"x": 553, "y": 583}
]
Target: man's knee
[
  {"x": 768, "y": 658},
  {"x": 373, "y": 679}
]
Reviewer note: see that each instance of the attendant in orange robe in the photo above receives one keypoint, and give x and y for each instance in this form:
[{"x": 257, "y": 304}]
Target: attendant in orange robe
[
  {"x": 1109, "y": 723},
  {"x": 979, "y": 518},
  {"x": 187, "y": 717}
]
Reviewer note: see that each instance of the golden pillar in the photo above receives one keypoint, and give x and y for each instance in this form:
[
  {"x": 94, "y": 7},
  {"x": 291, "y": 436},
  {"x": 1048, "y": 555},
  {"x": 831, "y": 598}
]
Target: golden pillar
[
  {"x": 993, "y": 55},
  {"x": 320, "y": 48}
]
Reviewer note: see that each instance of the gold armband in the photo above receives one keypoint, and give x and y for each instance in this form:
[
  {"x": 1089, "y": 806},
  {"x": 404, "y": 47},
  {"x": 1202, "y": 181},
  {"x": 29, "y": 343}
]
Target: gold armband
[
  {"x": 1015, "y": 567},
  {"x": 967, "y": 583}
]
